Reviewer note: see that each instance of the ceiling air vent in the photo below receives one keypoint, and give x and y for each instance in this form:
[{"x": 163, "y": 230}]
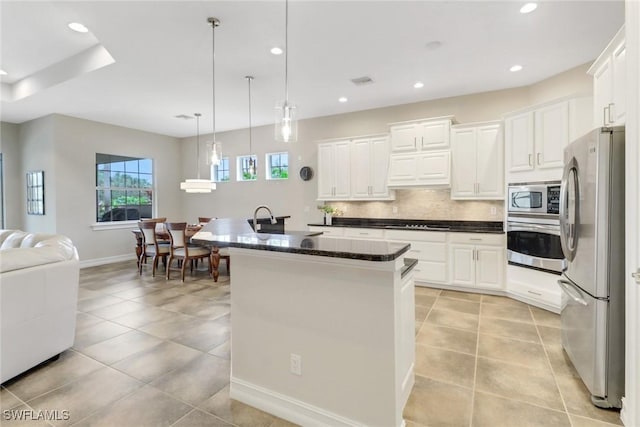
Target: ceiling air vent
[
  {"x": 359, "y": 81},
  {"x": 183, "y": 117}
]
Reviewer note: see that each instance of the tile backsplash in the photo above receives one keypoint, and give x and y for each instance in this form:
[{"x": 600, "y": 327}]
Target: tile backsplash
[{"x": 425, "y": 204}]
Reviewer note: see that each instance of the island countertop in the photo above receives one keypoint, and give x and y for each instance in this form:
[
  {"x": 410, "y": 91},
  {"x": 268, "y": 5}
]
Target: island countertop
[{"x": 236, "y": 233}]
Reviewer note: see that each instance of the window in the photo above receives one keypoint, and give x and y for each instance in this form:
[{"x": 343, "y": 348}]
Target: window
[
  {"x": 220, "y": 173},
  {"x": 277, "y": 165},
  {"x": 124, "y": 188},
  {"x": 247, "y": 166}
]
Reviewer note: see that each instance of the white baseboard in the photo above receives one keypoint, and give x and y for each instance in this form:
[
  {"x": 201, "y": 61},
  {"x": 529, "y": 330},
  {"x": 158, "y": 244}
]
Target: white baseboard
[
  {"x": 106, "y": 260},
  {"x": 285, "y": 407}
]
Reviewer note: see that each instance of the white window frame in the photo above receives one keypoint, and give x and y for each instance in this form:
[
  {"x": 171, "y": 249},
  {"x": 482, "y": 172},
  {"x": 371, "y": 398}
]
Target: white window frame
[
  {"x": 267, "y": 166},
  {"x": 214, "y": 170},
  {"x": 239, "y": 169}
]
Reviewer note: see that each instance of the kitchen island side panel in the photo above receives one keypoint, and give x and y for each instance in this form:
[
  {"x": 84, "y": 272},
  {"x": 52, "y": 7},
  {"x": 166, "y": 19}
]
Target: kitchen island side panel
[{"x": 341, "y": 317}]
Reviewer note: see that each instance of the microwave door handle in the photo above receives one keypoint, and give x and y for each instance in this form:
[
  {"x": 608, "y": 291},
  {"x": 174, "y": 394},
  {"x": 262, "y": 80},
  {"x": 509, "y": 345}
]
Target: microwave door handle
[{"x": 573, "y": 292}]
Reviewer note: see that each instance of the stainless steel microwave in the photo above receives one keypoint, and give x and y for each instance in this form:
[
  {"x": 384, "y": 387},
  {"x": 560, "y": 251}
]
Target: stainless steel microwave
[{"x": 541, "y": 198}]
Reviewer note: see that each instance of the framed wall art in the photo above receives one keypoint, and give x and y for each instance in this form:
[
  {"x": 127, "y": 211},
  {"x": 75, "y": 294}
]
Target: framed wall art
[{"x": 35, "y": 193}]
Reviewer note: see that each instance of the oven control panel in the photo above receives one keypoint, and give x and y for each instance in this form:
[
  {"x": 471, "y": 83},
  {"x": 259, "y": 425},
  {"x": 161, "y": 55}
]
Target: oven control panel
[{"x": 553, "y": 199}]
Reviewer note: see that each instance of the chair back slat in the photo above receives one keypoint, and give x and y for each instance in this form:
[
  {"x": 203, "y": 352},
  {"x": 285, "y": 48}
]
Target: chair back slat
[
  {"x": 177, "y": 234},
  {"x": 148, "y": 230}
]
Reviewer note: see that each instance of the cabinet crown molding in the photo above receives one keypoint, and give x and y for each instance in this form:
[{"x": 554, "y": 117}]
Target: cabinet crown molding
[
  {"x": 351, "y": 138},
  {"x": 428, "y": 119},
  {"x": 477, "y": 124},
  {"x": 531, "y": 108},
  {"x": 613, "y": 44}
]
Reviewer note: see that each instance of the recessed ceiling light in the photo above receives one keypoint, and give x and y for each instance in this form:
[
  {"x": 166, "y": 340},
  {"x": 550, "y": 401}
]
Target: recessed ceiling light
[
  {"x": 76, "y": 26},
  {"x": 342, "y": 99},
  {"x": 418, "y": 85},
  {"x": 515, "y": 68},
  {"x": 276, "y": 50},
  {"x": 529, "y": 7},
  {"x": 3, "y": 73}
]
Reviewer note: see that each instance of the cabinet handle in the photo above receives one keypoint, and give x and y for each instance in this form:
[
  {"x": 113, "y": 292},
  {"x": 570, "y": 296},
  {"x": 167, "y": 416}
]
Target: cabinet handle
[
  {"x": 476, "y": 240},
  {"x": 477, "y": 255},
  {"x": 535, "y": 293},
  {"x": 415, "y": 142},
  {"x": 363, "y": 234},
  {"x": 605, "y": 120},
  {"x": 611, "y": 106},
  {"x": 538, "y": 158},
  {"x": 530, "y": 159}
]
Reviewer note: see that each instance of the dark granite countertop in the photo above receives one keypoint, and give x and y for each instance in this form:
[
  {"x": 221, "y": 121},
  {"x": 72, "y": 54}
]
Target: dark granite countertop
[
  {"x": 495, "y": 227},
  {"x": 236, "y": 233}
]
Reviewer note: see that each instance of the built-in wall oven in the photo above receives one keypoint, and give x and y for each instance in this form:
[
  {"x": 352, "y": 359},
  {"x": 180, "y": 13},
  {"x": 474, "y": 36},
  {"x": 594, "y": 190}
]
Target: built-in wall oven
[{"x": 533, "y": 226}]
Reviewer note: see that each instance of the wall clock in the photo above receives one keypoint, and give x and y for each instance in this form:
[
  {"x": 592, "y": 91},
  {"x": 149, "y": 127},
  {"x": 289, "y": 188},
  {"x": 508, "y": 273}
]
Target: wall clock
[{"x": 306, "y": 173}]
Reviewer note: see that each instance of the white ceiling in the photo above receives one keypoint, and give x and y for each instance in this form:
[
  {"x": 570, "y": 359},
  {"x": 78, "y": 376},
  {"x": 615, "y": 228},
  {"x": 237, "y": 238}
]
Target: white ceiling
[{"x": 162, "y": 53}]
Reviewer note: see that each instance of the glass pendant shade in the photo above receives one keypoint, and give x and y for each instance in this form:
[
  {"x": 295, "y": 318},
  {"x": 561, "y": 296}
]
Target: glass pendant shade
[
  {"x": 197, "y": 186},
  {"x": 215, "y": 153},
  {"x": 286, "y": 124}
]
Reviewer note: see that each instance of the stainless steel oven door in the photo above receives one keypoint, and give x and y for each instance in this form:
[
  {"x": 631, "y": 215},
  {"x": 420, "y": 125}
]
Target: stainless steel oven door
[{"x": 535, "y": 246}]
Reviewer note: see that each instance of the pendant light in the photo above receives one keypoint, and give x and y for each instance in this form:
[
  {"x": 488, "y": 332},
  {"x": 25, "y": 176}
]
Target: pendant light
[
  {"x": 252, "y": 164},
  {"x": 286, "y": 126},
  {"x": 197, "y": 185},
  {"x": 215, "y": 147}
]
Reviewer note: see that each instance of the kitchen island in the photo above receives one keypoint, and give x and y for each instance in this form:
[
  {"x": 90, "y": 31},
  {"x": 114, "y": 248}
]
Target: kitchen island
[{"x": 322, "y": 329}]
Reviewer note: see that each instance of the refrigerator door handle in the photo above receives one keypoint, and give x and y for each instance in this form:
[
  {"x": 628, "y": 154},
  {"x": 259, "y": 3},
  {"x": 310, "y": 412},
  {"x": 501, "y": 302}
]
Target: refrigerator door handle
[
  {"x": 568, "y": 230},
  {"x": 572, "y": 291}
]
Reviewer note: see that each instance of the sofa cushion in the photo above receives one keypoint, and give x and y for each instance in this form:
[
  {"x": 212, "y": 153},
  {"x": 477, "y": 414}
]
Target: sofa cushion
[
  {"x": 13, "y": 239},
  {"x": 23, "y": 250}
]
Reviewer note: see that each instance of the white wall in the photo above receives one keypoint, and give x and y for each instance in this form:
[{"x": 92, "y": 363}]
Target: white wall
[
  {"x": 76, "y": 143},
  {"x": 298, "y": 198},
  {"x": 10, "y": 149}
]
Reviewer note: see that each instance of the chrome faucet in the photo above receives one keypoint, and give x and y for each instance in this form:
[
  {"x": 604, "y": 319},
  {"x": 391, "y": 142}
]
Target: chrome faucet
[{"x": 255, "y": 217}]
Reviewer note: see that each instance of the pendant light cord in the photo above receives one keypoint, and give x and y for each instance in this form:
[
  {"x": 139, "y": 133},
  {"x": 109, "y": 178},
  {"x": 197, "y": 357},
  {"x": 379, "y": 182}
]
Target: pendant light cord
[
  {"x": 198, "y": 143},
  {"x": 286, "y": 53},
  {"x": 214, "y": 23},
  {"x": 249, "y": 78}
]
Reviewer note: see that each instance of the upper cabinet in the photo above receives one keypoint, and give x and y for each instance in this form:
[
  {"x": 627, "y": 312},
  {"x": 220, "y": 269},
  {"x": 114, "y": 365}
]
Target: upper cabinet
[
  {"x": 535, "y": 138},
  {"x": 608, "y": 71},
  {"x": 369, "y": 165},
  {"x": 426, "y": 134},
  {"x": 477, "y": 152},
  {"x": 420, "y": 153},
  {"x": 354, "y": 169}
]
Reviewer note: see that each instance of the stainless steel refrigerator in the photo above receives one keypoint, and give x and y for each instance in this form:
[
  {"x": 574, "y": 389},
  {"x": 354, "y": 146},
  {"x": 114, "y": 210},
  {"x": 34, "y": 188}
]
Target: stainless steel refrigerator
[{"x": 592, "y": 238}]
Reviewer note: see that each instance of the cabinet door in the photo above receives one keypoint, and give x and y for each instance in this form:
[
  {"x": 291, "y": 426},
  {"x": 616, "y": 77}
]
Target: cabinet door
[
  {"x": 403, "y": 137},
  {"x": 602, "y": 92},
  {"x": 463, "y": 153},
  {"x": 619, "y": 96},
  {"x": 402, "y": 169},
  {"x": 434, "y": 135},
  {"x": 360, "y": 168},
  {"x": 461, "y": 259},
  {"x": 434, "y": 168},
  {"x": 551, "y": 135},
  {"x": 342, "y": 170},
  {"x": 489, "y": 162},
  {"x": 379, "y": 167},
  {"x": 519, "y": 142},
  {"x": 490, "y": 262},
  {"x": 326, "y": 171}
]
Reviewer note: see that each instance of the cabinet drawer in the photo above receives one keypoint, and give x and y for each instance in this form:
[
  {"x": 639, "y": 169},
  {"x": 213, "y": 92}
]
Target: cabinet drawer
[
  {"x": 431, "y": 272},
  {"x": 364, "y": 233},
  {"x": 427, "y": 251},
  {"x": 329, "y": 231},
  {"x": 477, "y": 238},
  {"x": 419, "y": 236}
]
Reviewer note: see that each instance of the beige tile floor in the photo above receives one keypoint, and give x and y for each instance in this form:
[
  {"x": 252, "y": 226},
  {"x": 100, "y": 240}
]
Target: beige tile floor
[{"x": 151, "y": 352}]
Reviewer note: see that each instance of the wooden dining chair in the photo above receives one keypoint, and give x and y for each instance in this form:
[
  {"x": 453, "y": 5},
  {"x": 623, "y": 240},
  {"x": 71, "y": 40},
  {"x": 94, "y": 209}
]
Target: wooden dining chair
[
  {"x": 182, "y": 250},
  {"x": 151, "y": 247},
  {"x": 203, "y": 220}
]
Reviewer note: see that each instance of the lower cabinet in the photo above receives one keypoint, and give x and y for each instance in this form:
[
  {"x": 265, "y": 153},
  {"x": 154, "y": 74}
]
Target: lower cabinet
[
  {"x": 477, "y": 260},
  {"x": 429, "y": 248}
]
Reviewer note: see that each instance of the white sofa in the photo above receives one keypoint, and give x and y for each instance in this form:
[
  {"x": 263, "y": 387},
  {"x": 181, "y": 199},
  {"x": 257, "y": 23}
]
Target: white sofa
[{"x": 39, "y": 276}]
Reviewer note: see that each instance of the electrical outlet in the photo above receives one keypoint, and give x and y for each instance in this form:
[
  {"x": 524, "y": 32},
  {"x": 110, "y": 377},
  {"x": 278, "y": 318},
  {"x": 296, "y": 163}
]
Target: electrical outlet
[
  {"x": 306, "y": 208},
  {"x": 494, "y": 212},
  {"x": 296, "y": 364},
  {"x": 394, "y": 209}
]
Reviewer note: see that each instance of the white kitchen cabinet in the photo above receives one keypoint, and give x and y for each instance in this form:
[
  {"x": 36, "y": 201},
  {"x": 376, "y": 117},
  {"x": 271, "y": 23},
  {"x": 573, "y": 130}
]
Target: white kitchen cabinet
[
  {"x": 477, "y": 162},
  {"x": 609, "y": 83},
  {"x": 334, "y": 170},
  {"x": 429, "y": 168},
  {"x": 535, "y": 138},
  {"x": 328, "y": 231},
  {"x": 534, "y": 287},
  {"x": 425, "y": 134},
  {"x": 369, "y": 166},
  {"x": 477, "y": 260},
  {"x": 429, "y": 248}
]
